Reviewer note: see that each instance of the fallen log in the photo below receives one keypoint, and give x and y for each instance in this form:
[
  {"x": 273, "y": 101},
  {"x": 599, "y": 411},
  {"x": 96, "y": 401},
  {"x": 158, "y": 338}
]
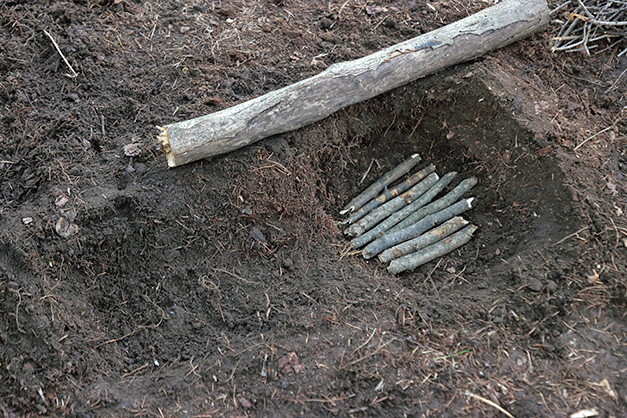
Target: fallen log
[{"x": 351, "y": 82}]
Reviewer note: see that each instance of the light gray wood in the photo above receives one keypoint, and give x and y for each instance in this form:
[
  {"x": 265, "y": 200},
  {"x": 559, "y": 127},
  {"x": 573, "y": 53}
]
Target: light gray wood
[
  {"x": 439, "y": 249},
  {"x": 424, "y": 240},
  {"x": 417, "y": 229},
  {"x": 350, "y": 82}
]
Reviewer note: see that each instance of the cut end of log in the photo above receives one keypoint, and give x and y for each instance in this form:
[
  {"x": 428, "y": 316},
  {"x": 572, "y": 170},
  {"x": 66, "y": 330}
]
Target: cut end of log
[{"x": 164, "y": 142}]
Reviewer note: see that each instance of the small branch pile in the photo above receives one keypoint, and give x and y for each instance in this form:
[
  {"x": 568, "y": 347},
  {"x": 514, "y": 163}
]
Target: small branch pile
[
  {"x": 590, "y": 21},
  {"x": 402, "y": 226}
]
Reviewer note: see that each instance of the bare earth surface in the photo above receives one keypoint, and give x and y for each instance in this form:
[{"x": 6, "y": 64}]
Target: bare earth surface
[{"x": 226, "y": 288}]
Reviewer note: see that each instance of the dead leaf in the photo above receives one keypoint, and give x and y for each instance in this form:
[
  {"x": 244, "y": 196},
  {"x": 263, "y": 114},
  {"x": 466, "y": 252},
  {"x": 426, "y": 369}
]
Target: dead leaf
[
  {"x": 290, "y": 363},
  {"x": 298, "y": 368},
  {"x": 541, "y": 106},
  {"x": 132, "y": 150},
  {"x": 61, "y": 200},
  {"x": 543, "y": 152},
  {"x": 611, "y": 186},
  {"x": 65, "y": 229},
  {"x": 604, "y": 385},
  {"x": 257, "y": 235},
  {"x": 244, "y": 402}
]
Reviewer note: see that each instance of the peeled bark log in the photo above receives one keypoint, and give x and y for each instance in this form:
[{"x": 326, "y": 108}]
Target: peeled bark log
[
  {"x": 351, "y": 82},
  {"x": 450, "y": 198}
]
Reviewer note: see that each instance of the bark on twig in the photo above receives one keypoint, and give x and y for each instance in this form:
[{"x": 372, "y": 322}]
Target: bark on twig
[
  {"x": 389, "y": 194},
  {"x": 417, "y": 229},
  {"x": 376, "y": 187},
  {"x": 382, "y": 212},
  {"x": 450, "y": 198},
  {"x": 439, "y": 249},
  {"x": 395, "y": 218},
  {"x": 424, "y": 240}
]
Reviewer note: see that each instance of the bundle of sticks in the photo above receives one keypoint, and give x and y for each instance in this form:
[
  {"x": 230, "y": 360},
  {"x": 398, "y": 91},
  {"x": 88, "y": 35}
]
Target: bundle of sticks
[
  {"x": 586, "y": 22},
  {"x": 402, "y": 225}
]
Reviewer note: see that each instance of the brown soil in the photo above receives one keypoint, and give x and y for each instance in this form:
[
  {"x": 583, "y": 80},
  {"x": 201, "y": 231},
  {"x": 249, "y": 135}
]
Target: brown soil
[{"x": 224, "y": 287}]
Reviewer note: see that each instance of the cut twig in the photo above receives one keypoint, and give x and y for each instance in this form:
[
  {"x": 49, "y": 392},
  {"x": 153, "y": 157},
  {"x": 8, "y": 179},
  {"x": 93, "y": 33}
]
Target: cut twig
[
  {"x": 389, "y": 194},
  {"x": 380, "y": 184},
  {"x": 599, "y": 133},
  {"x": 74, "y": 74},
  {"x": 392, "y": 206},
  {"x": 417, "y": 229},
  {"x": 392, "y": 220},
  {"x": 450, "y": 198},
  {"x": 424, "y": 240},
  {"x": 439, "y": 249}
]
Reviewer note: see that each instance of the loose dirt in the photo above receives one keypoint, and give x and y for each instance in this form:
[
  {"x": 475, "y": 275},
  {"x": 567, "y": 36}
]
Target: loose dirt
[{"x": 226, "y": 287}]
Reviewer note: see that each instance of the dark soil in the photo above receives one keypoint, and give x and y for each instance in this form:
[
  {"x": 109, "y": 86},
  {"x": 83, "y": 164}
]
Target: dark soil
[{"x": 225, "y": 287}]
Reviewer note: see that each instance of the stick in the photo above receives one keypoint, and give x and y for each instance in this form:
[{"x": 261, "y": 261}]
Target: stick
[
  {"x": 390, "y": 193},
  {"x": 374, "y": 189},
  {"x": 439, "y": 249},
  {"x": 426, "y": 239},
  {"x": 74, "y": 74},
  {"x": 489, "y": 402},
  {"x": 351, "y": 82},
  {"x": 392, "y": 206},
  {"x": 417, "y": 229},
  {"x": 436, "y": 206},
  {"x": 367, "y": 171},
  {"x": 598, "y": 133},
  {"x": 571, "y": 235},
  {"x": 395, "y": 218}
]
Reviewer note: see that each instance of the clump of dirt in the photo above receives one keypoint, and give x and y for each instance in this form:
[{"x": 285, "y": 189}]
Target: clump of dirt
[{"x": 226, "y": 287}]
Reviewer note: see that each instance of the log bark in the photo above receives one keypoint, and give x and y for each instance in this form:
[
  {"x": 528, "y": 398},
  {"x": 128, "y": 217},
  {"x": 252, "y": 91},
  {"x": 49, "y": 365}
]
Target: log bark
[{"x": 351, "y": 82}]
